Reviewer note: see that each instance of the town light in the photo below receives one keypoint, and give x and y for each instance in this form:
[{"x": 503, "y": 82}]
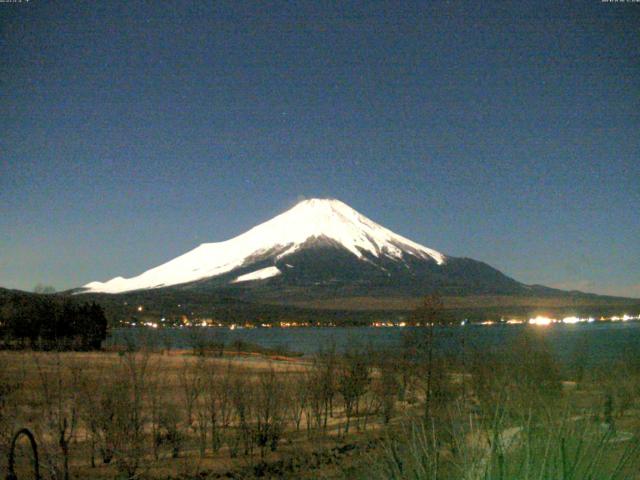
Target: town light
[{"x": 540, "y": 320}]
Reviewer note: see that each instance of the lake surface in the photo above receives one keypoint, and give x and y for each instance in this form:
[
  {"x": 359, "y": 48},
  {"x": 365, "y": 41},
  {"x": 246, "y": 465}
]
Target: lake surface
[{"x": 599, "y": 342}]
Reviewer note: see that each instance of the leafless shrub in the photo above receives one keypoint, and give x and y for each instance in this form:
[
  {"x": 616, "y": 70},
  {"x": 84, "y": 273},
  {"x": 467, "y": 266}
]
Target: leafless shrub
[
  {"x": 429, "y": 316},
  {"x": 520, "y": 378},
  {"x": 323, "y": 385},
  {"x": 404, "y": 363},
  {"x": 11, "y": 384},
  {"x": 129, "y": 414},
  {"x": 298, "y": 393},
  {"x": 218, "y": 402},
  {"x": 59, "y": 407},
  {"x": 94, "y": 401},
  {"x": 386, "y": 386},
  {"x": 269, "y": 411},
  {"x": 190, "y": 377},
  {"x": 241, "y": 399},
  {"x": 169, "y": 432},
  {"x": 353, "y": 378},
  {"x": 316, "y": 401}
]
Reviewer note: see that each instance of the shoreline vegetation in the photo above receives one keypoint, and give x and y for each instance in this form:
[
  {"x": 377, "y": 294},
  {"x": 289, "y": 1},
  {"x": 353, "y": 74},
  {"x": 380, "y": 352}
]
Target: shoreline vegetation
[
  {"x": 137, "y": 309},
  {"x": 238, "y": 412},
  {"x": 144, "y": 409}
]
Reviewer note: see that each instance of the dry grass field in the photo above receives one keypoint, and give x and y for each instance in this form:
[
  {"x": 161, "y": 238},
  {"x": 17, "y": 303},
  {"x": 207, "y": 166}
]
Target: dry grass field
[
  {"x": 176, "y": 414},
  {"x": 512, "y": 414}
]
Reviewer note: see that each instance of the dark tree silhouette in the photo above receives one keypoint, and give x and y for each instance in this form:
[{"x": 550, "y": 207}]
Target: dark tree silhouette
[
  {"x": 427, "y": 317},
  {"x": 50, "y": 321}
]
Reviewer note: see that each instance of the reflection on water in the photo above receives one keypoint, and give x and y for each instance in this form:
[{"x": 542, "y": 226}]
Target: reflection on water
[{"x": 601, "y": 342}]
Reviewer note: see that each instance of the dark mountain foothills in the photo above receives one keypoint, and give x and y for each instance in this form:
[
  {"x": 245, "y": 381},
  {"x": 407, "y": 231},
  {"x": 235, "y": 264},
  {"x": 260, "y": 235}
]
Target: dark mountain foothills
[
  {"x": 325, "y": 284},
  {"x": 325, "y": 271},
  {"x": 315, "y": 303}
]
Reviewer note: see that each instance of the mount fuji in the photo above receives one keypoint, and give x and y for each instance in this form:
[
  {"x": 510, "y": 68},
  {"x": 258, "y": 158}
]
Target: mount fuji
[{"x": 319, "y": 248}]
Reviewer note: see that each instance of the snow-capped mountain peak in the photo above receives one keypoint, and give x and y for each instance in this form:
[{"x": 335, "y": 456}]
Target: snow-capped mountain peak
[
  {"x": 339, "y": 222},
  {"x": 283, "y": 235}
]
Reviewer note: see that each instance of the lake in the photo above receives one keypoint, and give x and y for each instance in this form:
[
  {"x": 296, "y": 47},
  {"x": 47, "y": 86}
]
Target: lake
[{"x": 602, "y": 341}]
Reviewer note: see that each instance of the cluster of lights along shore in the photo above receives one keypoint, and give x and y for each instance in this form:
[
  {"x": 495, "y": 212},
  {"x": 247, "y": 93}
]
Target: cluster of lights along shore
[
  {"x": 185, "y": 321},
  {"x": 544, "y": 321}
]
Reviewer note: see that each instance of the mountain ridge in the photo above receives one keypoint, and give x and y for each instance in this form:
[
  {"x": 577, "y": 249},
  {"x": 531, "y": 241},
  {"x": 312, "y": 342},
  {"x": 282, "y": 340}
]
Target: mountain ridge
[
  {"x": 320, "y": 254},
  {"x": 306, "y": 223}
]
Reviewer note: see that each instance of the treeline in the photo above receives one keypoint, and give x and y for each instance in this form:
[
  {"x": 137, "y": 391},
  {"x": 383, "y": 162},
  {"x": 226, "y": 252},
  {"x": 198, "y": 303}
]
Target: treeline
[{"x": 50, "y": 322}]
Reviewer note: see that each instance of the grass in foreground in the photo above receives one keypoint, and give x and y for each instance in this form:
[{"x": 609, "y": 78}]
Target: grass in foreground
[{"x": 509, "y": 414}]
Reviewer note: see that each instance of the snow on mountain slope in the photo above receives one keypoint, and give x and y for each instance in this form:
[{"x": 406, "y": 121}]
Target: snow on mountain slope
[
  {"x": 258, "y": 274},
  {"x": 280, "y": 236}
]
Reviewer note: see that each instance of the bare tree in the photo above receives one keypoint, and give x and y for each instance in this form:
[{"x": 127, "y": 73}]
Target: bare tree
[
  {"x": 386, "y": 385},
  {"x": 11, "y": 383},
  {"x": 428, "y": 317},
  {"x": 269, "y": 411},
  {"x": 46, "y": 289},
  {"x": 157, "y": 386},
  {"x": 192, "y": 386},
  {"x": 298, "y": 393},
  {"x": 202, "y": 426},
  {"x": 129, "y": 412},
  {"x": 353, "y": 378},
  {"x": 324, "y": 388},
  {"x": 241, "y": 398},
  {"x": 59, "y": 406},
  {"x": 218, "y": 402},
  {"x": 316, "y": 395},
  {"x": 95, "y": 417},
  {"x": 169, "y": 432}
]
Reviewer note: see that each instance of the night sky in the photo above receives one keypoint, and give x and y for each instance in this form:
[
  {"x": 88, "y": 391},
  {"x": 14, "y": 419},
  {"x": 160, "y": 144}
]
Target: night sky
[{"x": 508, "y": 132}]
